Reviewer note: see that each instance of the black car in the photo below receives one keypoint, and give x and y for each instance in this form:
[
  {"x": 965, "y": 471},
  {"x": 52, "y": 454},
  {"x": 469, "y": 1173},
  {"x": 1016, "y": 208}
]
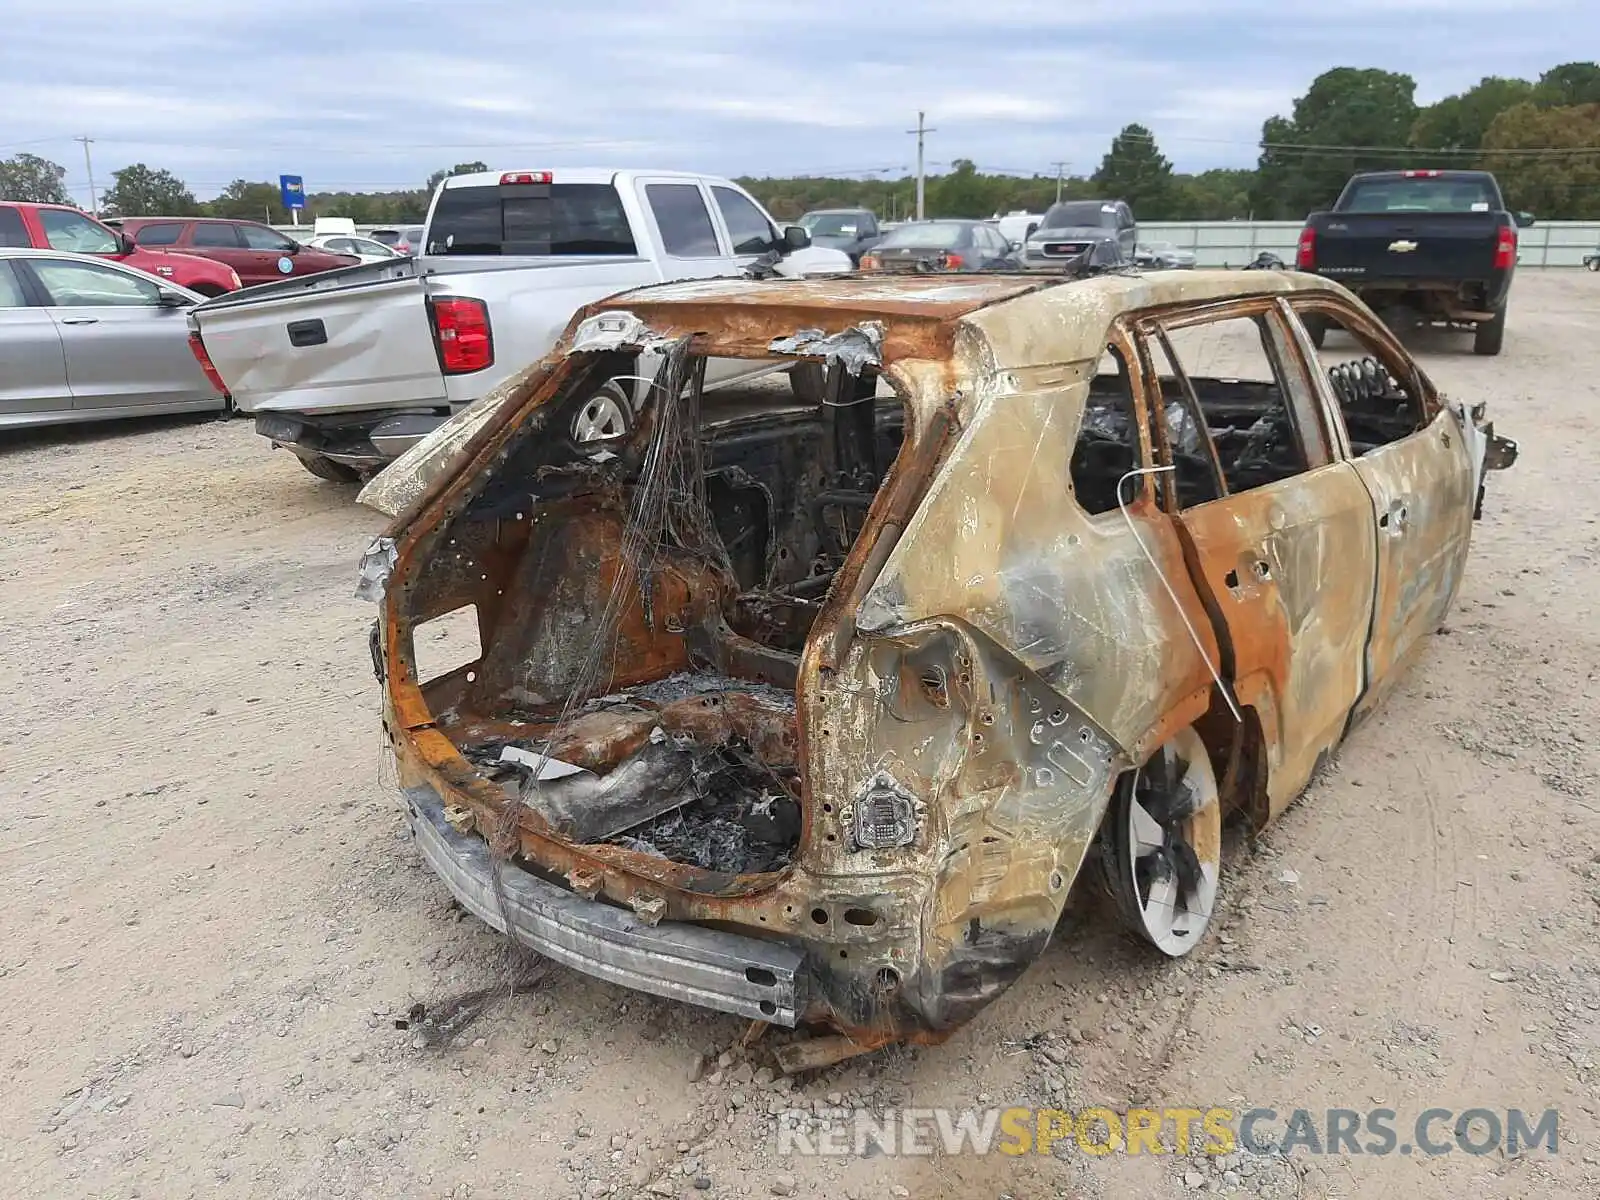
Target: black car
[
  {"x": 1420, "y": 247},
  {"x": 853, "y": 230},
  {"x": 942, "y": 246}
]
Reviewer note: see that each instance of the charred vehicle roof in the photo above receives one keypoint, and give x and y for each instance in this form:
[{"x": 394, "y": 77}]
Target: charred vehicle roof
[{"x": 815, "y": 712}]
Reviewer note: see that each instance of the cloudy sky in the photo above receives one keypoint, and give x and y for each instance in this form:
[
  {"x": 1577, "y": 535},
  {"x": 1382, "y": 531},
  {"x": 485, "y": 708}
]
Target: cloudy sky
[{"x": 363, "y": 94}]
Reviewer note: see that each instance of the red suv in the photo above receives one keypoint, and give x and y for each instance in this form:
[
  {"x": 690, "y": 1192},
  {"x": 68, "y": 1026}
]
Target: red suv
[
  {"x": 259, "y": 253},
  {"x": 57, "y": 227}
]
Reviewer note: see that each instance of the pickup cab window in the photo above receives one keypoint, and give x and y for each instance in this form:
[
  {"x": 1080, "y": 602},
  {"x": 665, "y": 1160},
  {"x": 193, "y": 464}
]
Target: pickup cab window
[
  {"x": 76, "y": 232},
  {"x": 750, "y": 232},
  {"x": 681, "y": 216},
  {"x": 1420, "y": 196},
  {"x": 530, "y": 219}
]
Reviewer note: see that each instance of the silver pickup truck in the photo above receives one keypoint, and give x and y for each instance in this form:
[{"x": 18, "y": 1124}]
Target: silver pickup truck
[{"x": 350, "y": 368}]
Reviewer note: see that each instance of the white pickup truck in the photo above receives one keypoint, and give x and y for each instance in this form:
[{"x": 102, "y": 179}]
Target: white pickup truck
[{"x": 350, "y": 368}]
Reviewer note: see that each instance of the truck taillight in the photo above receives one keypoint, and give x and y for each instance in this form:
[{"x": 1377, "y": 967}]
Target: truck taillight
[
  {"x": 461, "y": 327},
  {"x": 525, "y": 177},
  {"x": 1305, "y": 255},
  {"x": 198, "y": 349},
  {"x": 1505, "y": 249},
  {"x": 870, "y": 262},
  {"x": 951, "y": 262}
]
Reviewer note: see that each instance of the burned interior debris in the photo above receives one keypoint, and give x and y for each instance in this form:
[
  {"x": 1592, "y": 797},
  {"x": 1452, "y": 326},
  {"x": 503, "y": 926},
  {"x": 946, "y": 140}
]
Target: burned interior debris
[{"x": 731, "y": 516}]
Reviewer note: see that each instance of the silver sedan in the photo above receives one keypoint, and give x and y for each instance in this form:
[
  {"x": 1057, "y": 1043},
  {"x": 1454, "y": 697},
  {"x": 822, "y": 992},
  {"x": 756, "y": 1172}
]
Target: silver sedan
[
  {"x": 1163, "y": 256},
  {"x": 82, "y": 339}
]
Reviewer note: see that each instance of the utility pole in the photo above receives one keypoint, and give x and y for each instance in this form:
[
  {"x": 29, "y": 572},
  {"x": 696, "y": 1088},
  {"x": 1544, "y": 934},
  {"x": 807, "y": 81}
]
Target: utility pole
[
  {"x": 88, "y": 165},
  {"x": 921, "y": 130},
  {"x": 1061, "y": 173}
]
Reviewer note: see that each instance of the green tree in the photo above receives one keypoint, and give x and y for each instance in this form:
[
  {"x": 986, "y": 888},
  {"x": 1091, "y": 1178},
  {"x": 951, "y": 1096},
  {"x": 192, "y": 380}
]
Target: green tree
[
  {"x": 1306, "y": 158},
  {"x": 961, "y": 193},
  {"x": 1569, "y": 84},
  {"x": 32, "y": 180},
  {"x": 141, "y": 191},
  {"x": 1459, "y": 122},
  {"x": 470, "y": 168},
  {"x": 1135, "y": 170},
  {"x": 1216, "y": 195},
  {"x": 1563, "y": 186},
  {"x": 250, "y": 201}
]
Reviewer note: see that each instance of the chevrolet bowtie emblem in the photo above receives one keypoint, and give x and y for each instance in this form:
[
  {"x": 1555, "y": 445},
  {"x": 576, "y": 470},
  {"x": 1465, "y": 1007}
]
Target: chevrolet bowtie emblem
[{"x": 1402, "y": 247}]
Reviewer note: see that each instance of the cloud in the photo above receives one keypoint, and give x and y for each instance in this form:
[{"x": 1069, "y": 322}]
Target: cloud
[{"x": 378, "y": 93}]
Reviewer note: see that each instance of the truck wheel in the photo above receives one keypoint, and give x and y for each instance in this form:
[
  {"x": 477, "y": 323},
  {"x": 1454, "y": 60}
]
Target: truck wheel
[
  {"x": 1593, "y": 264},
  {"x": 1489, "y": 336},
  {"x": 326, "y": 468},
  {"x": 209, "y": 290},
  {"x": 1318, "y": 331}
]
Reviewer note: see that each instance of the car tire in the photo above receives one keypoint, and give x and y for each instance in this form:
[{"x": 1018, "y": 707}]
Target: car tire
[
  {"x": 1161, "y": 846},
  {"x": 1593, "y": 264},
  {"x": 209, "y": 290},
  {"x": 326, "y": 468},
  {"x": 1318, "y": 331},
  {"x": 606, "y": 414},
  {"x": 1491, "y": 335}
]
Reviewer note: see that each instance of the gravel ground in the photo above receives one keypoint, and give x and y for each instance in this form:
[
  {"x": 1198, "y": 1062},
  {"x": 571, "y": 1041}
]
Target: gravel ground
[{"x": 215, "y": 924}]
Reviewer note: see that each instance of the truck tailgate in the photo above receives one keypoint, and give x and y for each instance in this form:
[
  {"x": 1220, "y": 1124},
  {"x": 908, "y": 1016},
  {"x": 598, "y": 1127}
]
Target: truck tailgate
[
  {"x": 1398, "y": 245},
  {"x": 343, "y": 341}
]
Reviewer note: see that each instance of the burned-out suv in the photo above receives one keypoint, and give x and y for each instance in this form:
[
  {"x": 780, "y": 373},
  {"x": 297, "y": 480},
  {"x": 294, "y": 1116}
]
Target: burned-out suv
[{"x": 813, "y": 712}]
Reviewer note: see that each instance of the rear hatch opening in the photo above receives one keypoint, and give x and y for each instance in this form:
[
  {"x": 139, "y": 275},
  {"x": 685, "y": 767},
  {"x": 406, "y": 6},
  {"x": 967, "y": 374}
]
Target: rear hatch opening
[{"x": 642, "y": 604}]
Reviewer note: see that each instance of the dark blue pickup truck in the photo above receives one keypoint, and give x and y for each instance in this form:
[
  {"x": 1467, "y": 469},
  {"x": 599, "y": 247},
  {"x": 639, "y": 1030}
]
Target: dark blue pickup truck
[{"x": 1421, "y": 248}]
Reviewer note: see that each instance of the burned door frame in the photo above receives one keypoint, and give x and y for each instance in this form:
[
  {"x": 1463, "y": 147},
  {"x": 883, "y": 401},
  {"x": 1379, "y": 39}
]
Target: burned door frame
[
  {"x": 1287, "y": 570},
  {"x": 1421, "y": 489}
]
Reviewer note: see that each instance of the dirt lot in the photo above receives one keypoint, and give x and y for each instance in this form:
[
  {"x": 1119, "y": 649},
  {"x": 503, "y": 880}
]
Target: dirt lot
[{"x": 214, "y": 918}]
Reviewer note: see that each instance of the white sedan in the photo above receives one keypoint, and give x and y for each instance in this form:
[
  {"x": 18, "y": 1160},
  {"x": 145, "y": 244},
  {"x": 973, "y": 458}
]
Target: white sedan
[{"x": 365, "y": 248}]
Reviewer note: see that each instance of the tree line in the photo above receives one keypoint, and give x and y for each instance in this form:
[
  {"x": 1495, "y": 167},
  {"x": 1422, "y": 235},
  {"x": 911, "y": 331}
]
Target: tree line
[{"x": 1540, "y": 137}]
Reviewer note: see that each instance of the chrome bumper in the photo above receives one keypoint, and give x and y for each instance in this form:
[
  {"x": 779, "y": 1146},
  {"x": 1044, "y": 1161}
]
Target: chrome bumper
[{"x": 725, "y": 971}]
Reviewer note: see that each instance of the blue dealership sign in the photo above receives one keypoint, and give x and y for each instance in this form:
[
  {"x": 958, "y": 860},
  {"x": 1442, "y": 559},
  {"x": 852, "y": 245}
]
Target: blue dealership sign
[{"x": 293, "y": 190}]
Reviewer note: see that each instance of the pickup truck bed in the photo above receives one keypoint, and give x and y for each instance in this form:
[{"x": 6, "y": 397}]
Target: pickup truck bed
[
  {"x": 350, "y": 368},
  {"x": 1420, "y": 247}
]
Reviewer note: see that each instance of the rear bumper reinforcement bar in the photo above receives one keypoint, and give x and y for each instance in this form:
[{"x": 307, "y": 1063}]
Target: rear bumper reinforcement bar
[{"x": 712, "y": 968}]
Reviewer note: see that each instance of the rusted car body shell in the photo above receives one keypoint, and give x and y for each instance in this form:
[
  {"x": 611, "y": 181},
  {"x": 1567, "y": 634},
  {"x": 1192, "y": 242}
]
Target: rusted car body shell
[{"x": 1075, "y": 644}]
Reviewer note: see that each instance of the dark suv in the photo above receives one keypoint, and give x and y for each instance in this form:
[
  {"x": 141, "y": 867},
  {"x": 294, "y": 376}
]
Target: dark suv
[
  {"x": 1099, "y": 233},
  {"x": 259, "y": 253}
]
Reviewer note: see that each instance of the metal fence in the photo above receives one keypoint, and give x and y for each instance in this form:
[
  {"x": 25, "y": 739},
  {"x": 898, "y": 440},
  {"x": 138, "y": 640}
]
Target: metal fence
[{"x": 1235, "y": 243}]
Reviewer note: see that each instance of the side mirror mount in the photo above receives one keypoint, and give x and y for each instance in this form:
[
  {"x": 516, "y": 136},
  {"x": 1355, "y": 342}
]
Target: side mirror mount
[
  {"x": 1524, "y": 219},
  {"x": 796, "y": 237},
  {"x": 126, "y": 245},
  {"x": 171, "y": 299}
]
